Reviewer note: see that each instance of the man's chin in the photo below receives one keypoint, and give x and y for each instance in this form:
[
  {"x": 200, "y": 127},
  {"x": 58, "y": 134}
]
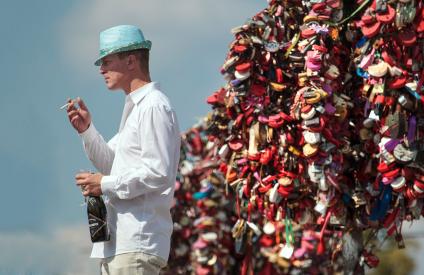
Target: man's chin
[{"x": 112, "y": 87}]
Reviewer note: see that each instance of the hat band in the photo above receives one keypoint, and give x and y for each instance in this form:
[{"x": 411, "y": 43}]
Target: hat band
[{"x": 134, "y": 46}]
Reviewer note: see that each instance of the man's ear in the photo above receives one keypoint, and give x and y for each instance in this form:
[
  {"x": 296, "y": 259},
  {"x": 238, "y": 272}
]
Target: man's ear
[{"x": 131, "y": 61}]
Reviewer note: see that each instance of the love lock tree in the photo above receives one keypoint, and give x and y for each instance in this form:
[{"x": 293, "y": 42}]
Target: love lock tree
[{"x": 319, "y": 132}]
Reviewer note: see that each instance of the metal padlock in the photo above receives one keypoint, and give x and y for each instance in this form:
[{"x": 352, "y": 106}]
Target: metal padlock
[{"x": 381, "y": 6}]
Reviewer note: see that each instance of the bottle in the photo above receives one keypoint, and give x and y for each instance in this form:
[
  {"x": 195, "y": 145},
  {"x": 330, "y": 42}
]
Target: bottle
[{"x": 97, "y": 219}]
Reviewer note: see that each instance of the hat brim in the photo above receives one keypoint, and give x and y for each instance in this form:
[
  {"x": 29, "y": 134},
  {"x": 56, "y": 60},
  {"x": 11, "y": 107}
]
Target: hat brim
[{"x": 147, "y": 44}]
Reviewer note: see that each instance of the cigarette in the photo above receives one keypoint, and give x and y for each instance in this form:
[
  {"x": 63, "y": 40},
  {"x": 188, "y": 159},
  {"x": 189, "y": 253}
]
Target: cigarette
[
  {"x": 64, "y": 106},
  {"x": 67, "y": 104}
]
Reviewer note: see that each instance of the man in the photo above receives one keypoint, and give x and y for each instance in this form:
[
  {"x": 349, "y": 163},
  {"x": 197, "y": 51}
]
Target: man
[{"x": 138, "y": 165}]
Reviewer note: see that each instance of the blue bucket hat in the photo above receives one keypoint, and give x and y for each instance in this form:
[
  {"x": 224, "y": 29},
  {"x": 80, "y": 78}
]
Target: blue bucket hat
[{"x": 121, "y": 39}]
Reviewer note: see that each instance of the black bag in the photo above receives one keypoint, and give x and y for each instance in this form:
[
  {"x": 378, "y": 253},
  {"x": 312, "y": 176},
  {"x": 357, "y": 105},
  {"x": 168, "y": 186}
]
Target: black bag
[{"x": 97, "y": 222}]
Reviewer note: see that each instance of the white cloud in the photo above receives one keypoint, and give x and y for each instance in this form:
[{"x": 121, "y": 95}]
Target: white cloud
[{"x": 66, "y": 251}]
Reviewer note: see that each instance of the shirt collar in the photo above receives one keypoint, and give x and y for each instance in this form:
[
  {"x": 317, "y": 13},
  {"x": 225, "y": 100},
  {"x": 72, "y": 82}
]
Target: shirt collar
[{"x": 137, "y": 95}]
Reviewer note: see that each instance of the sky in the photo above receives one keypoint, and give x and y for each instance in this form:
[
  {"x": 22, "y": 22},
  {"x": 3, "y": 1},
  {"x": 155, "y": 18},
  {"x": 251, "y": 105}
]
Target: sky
[{"x": 47, "y": 51}]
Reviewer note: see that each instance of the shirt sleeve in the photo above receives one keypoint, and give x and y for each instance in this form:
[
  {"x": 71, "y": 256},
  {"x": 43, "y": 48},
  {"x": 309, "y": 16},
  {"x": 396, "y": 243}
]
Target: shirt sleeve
[
  {"x": 100, "y": 153},
  {"x": 159, "y": 140}
]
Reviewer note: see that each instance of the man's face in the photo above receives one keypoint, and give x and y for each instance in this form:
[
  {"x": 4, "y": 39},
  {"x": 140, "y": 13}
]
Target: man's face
[{"x": 114, "y": 71}]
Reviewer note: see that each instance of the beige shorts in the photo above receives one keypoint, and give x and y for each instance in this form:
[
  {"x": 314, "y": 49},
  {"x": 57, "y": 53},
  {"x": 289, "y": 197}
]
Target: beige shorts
[{"x": 131, "y": 264}]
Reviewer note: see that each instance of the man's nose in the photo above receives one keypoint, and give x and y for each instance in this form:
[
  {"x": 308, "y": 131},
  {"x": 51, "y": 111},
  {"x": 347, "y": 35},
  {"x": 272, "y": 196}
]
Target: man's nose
[{"x": 102, "y": 70}]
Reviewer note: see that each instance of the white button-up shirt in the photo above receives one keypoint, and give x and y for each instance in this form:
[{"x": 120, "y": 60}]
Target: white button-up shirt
[{"x": 140, "y": 164}]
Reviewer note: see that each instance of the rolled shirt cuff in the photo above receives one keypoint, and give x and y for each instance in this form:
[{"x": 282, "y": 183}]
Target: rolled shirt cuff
[
  {"x": 107, "y": 184},
  {"x": 90, "y": 134}
]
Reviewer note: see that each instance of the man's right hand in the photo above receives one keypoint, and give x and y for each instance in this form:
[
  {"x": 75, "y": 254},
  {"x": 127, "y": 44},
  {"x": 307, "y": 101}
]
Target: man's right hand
[{"x": 80, "y": 118}]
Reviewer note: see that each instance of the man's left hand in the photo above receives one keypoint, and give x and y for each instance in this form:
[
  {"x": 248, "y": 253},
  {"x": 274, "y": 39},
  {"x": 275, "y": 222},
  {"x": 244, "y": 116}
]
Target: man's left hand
[{"x": 89, "y": 183}]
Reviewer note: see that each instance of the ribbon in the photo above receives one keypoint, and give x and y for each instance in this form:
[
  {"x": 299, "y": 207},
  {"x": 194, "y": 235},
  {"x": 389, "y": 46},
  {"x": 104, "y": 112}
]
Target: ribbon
[
  {"x": 321, "y": 244},
  {"x": 249, "y": 211},
  {"x": 391, "y": 218},
  {"x": 293, "y": 44},
  {"x": 277, "y": 233},
  {"x": 246, "y": 268},
  {"x": 238, "y": 205},
  {"x": 391, "y": 144},
  {"x": 412, "y": 127},
  {"x": 289, "y": 231},
  {"x": 382, "y": 206}
]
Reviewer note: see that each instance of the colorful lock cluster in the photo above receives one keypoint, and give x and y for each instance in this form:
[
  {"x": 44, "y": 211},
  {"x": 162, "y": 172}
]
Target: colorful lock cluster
[{"x": 201, "y": 241}]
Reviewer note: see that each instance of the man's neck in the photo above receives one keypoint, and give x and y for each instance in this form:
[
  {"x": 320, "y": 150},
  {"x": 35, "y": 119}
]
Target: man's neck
[{"x": 136, "y": 83}]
